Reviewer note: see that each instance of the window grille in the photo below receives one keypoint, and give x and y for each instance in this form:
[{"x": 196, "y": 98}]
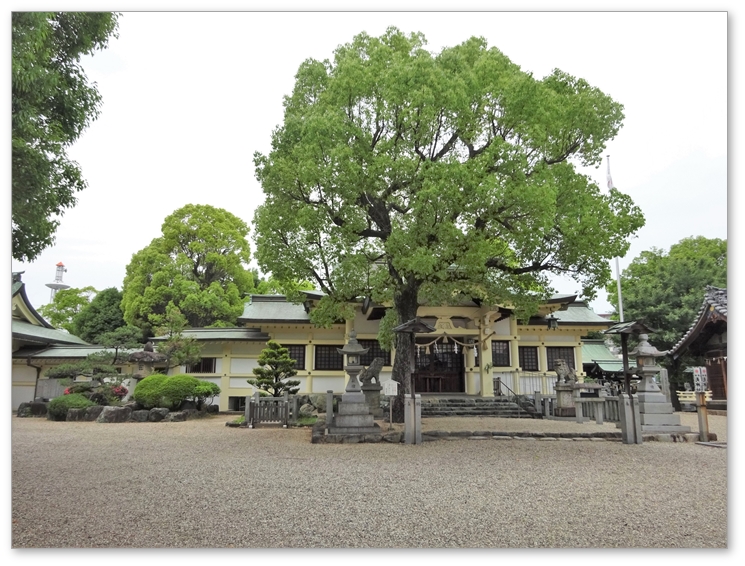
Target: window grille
[
  {"x": 328, "y": 358},
  {"x": 500, "y": 353},
  {"x": 559, "y": 353},
  {"x": 528, "y": 358},
  {"x": 205, "y": 365},
  {"x": 375, "y": 351},
  {"x": 297, "y": 353}
]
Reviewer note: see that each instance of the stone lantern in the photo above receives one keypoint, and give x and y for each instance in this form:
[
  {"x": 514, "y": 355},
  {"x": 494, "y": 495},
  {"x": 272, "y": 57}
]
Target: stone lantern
[
  {"x": 145, "y": 360},
  {"x": 657, "y": 415},
  {"x": 354, "y": 416}
]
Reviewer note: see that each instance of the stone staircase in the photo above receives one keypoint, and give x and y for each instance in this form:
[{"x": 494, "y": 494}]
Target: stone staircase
[{"x": 468, "y": 406}]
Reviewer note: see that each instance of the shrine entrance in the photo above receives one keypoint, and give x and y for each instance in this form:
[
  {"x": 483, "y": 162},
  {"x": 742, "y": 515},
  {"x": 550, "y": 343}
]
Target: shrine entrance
[{"x": 440, "y": 368}]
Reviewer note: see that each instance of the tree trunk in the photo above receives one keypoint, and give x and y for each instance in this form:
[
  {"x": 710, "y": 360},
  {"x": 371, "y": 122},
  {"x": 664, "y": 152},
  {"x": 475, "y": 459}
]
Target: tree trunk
[{"x": 405, "y": 301}]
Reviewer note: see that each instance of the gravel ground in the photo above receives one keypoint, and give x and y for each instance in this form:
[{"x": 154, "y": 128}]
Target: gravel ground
[{"x": 201, "y": 484}]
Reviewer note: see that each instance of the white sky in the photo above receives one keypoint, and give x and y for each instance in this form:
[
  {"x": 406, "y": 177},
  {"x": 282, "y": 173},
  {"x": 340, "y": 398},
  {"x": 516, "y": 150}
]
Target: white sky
[{"x": 188, "y": 97}]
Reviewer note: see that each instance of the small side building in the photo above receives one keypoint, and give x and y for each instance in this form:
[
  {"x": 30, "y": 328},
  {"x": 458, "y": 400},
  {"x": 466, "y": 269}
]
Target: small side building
[{"x": 707, "y": 338}]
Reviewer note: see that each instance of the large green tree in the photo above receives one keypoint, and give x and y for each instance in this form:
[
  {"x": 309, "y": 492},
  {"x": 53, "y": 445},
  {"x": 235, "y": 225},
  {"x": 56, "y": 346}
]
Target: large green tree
[
  {"x": 52, "y": 103},
  {"x": 419, "y": 177},
  {"x": 198, "y": 264},
  {"x": 666, "y": 289},
  {"x": 66, "y": 306},
  {"x": 102, "y": 315}
]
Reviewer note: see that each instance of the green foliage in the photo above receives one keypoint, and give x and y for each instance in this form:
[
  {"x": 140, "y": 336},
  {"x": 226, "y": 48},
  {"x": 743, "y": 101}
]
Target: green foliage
[
  {"x": 276, "y": 367},
  {"x": 159, "y": 390},
  {"x": 59, "y": 406},
  {"x": 67, "y": 306},
  {"x": 177, "y": 348},
  {"x": 52, "y": 103},
  {"x": 101, "y": 316},
  {"x": 667, "y": 290},
  {"x": 121, "y": 340},
  {"x": 148, "y": 391},
  {"x": 199, "y": 264},
  {"x": 416, "y": 177}
]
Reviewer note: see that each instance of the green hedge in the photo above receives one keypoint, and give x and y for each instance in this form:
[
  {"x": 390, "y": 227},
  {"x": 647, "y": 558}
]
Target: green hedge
[
  {"x": 170, "y": 391},
  {"x": 59, "y": 406}
]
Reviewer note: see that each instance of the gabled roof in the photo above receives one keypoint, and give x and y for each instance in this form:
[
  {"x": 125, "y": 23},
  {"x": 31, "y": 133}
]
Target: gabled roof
[
  {"x": 596, "y": 352},
  {"x": 576, "y": 313},
  {"x": 72, "y": 351},
  {"x": 712, "y": 317},
  {"x": 222, "y": 334},
  {"x": 272, "y": 308}
]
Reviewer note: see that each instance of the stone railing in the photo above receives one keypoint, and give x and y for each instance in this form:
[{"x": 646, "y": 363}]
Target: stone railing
[{"x": 599, "y": 409}]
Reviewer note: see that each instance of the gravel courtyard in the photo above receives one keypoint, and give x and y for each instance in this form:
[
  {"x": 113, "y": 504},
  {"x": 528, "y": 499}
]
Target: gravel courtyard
[{"x": 200, "y": 484}]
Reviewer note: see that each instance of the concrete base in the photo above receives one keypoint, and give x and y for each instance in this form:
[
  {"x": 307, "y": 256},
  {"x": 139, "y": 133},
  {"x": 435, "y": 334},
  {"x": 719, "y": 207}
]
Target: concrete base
[{"x": 374, "y": 429}]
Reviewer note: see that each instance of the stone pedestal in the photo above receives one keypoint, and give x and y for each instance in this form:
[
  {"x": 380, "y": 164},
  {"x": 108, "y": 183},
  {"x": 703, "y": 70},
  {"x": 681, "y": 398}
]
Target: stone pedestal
[
  {"x": 565, "y": 406},
  {"x": 372, "y": 397},
  {"x": 656, "y": 412},
  {"x": 354, "y": 416}
]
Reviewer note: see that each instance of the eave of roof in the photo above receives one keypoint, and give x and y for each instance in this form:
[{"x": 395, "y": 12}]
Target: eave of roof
[
  {"x": 222, "y": 334},
  {"x": 26, "y": 331},
  {"x": 713, "y": 309}
]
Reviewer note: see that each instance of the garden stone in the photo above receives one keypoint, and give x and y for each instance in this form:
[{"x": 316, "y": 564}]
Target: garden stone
[
  {"x": 114, "y": 415},
  {"x": 318, "y": 401},
  {"x": 92, "y": 413},
  {"x": 140, "y": 416},
  {"x": 33, "y": 409},
  {"x": 210, "y": 409},
  {"x": 306, "y": 410},
  {"x": 176, "y": 417},
  {"x": 157, "y": 414},
  {"x": 188, "y": 406},
  {"x": 75, "y": 415}
]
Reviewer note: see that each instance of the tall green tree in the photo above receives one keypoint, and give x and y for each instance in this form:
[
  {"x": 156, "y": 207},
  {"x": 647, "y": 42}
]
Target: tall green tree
[
  {"x": 52, "y": 103},
  {"x": 199, "y": 264},
  {"x": 417, "y": 177},
  {"x": 66, "y": 306},
  {"x": 102, "y": 315},
  {"x": 177, "y": 348},
  {"x": 276, "y": 367},
  {"x": 666, "y": 289}
]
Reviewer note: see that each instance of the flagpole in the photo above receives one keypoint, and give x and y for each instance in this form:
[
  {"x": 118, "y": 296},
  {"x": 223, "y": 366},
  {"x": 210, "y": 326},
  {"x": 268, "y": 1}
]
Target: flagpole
[{"x": 618, "y": 270}]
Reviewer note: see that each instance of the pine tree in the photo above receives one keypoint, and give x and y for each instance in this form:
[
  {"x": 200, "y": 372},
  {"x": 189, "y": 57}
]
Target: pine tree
[{"x": 275, "y": 368}]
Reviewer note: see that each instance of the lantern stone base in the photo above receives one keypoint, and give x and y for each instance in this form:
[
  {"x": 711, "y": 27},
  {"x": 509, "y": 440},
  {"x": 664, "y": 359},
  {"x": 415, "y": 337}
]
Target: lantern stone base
[
  {"x": 372, "y": 397},
  {"x": 354, "y": 416},
  {"x": 656, "y": 413}
]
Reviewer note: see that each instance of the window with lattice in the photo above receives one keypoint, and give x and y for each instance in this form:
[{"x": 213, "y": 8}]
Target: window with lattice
[
  {"x": 205, "y": 365},
  {"x": 297, "y": 353},
  {"x": 328, "y": 358},
  {"x": 559, "y": 353},
  {"x": 528, "y": 358},
  {"x": 500, "y": 353},
  {"x": 375, "y": 351}
]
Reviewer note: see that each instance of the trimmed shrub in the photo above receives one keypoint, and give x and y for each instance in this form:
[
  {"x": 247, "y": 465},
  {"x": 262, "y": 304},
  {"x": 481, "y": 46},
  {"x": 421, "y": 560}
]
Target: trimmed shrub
[
  {"x": 148, "y": 391},
  {"x": 59, "y": 406},
  {"x": 206, "y": 390}
]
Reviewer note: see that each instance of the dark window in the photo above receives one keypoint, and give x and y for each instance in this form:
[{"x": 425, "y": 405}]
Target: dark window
[
  {"x": 559, "y": 353},
  {"x": 297, "y": 353},
  {"x": 375, "y": 351},
  {"x": 500, "y": 353},
  {"x": 528, "y": 358},
  {"x": 205, "y": 365},
  {"x": 328, "y": 358},
  {"x": 441, "y": 357}
]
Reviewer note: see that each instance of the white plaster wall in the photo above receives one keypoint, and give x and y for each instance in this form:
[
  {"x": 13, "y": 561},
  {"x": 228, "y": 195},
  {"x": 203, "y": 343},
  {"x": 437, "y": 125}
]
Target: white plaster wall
[
  {"x": 240, "y": 383},
  {"x": 210, "y": 350},
  {"x": 502, "y": 328},
  {"x": 243, "y": 365},
  {"x": 323, "y": 384}
]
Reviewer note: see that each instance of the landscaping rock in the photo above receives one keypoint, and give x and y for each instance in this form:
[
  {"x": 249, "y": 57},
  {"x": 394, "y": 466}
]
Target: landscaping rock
[
  {"x": 188, "y": 406},
  {"x": 306, "y": 410},
  {"x": 92, "y": 413},
  {"x": 394, "y": 437},
  {"x": 175, "y": 417},
  {"x": 33, "y": 409},
  {"x": 211, "y": 409},
  {"x": 140, "y": 416},
  {"x": 114, "y": 415},
  {"x": 318, "y": 401},
  {"x": 157, "y": 414},
  {"x": 75, "y": 415}
]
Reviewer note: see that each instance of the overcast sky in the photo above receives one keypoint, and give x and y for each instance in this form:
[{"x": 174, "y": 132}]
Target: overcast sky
[{"x": 188, "y": 97}]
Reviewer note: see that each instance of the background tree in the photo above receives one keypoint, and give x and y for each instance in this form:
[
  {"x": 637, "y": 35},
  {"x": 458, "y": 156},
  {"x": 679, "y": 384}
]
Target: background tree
[
  {"x": 52, "y": 103},
  {"x": 122, "y": 340},
  {"x": 666, "y": 289},
  {"x": 101, "y": 316},
  {"x": 66, "y": 306},
  {"x": 276, "y": 367},
  {"x": 199, "y": 265},
  {"x": 417, "y": 178},
  {"x": 177, "y": 348}
]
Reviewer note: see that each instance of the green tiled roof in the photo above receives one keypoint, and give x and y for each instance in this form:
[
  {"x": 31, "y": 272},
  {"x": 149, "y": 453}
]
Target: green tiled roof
[
  {"x": 23, "y": 330},
  {"x": 58, "y": 351},
  {"x": 580, "y": 313},
  {"x": 272, "y": 308},
  {"x": 595, "y": 351},
  {"x": 222, "y": 334}
]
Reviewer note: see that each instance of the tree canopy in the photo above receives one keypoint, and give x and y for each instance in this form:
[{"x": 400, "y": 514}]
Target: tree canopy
[
  {"x": 52, "y": 103},
  {"x": 276, "y": 367},
  {"x": 666, "y": 289},
  {"x": 198, "y": 264},
  {"x": 66, "y": 306},
  {"x": 415, "y": 178},
  {"x": 101, "y": 316}
]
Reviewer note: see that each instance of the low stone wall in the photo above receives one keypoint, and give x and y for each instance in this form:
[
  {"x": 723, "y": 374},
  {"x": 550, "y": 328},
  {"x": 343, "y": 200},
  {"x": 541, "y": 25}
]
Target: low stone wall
[{"x": 112, "y": 414}]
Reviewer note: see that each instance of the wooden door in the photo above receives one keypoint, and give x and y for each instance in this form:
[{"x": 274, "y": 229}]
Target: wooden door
[{"x": 440, "y": 371}]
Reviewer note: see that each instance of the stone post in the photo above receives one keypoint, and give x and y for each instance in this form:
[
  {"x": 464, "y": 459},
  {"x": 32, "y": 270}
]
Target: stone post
[
  {"x": 413, "y": 419},
  {"x": 703, "y": 416},
  {"x": 329, "y": 409}
]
